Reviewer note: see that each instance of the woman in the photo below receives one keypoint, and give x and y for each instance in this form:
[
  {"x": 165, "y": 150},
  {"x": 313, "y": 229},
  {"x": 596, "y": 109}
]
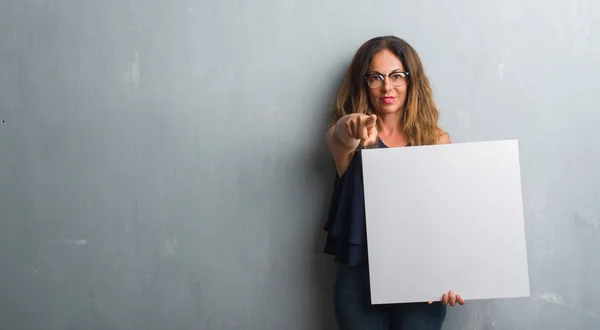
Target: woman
[{"x": 385, "y": 101}]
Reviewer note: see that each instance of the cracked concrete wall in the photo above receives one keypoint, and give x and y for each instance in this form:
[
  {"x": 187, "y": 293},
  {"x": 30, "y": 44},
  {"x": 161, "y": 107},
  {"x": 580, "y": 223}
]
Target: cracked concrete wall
[{"x": 163, "y": 166}]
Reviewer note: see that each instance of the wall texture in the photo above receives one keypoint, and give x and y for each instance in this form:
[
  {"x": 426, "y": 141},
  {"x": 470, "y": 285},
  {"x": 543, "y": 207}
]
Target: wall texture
[{"x": 162, "y": 164}]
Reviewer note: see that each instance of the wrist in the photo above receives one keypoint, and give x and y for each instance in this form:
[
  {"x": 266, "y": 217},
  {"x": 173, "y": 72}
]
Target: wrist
[{"x": 341, "y": 132}]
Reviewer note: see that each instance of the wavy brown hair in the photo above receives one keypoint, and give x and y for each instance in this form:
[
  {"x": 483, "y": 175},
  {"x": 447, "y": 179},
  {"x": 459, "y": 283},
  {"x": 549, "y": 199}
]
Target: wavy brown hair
[{"x": 420, "y": 118}]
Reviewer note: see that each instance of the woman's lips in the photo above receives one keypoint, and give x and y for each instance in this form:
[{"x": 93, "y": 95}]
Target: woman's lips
[{"x": 388, "y": 100}]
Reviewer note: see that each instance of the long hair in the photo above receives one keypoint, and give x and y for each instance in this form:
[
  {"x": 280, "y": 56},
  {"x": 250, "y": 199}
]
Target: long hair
[{"x": 420, "y": 118}]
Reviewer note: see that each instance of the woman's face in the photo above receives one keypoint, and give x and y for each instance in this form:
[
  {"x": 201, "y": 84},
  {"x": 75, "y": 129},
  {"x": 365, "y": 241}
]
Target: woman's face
[{"x": 387, "y": 95}]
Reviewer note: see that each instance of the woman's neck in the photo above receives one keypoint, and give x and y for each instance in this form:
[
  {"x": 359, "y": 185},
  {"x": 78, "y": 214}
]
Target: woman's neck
[
  {"x": 390, "y": 124},
  {"x": 390, "y": 129}
]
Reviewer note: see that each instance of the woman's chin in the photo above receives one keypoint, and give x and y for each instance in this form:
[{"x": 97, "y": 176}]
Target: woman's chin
[{"x": 387, "y": 110}]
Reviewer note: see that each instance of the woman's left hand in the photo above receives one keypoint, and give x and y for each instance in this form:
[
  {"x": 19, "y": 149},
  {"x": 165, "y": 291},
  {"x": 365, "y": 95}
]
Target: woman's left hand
[{"x": 451, "y": 299}]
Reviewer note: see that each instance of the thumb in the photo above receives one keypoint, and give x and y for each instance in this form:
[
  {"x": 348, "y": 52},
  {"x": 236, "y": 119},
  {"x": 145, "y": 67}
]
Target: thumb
[{"x": 371, "y": 121}]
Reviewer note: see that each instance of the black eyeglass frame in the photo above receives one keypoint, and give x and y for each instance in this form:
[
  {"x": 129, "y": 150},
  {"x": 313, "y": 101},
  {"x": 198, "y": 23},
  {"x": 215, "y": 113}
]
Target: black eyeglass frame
[{"x": 405, "y": 73}]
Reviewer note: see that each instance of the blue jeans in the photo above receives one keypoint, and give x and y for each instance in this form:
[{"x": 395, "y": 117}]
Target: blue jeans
[{"x": 354, "y": 311}]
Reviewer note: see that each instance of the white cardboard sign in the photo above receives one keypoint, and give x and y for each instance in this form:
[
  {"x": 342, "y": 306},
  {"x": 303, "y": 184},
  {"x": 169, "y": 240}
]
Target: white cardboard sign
[{"x": 445, "y": 217}]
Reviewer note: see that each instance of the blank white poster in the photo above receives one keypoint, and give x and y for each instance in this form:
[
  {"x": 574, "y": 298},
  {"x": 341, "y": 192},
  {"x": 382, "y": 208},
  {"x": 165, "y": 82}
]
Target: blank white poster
[{"x": 445, "y": 217}]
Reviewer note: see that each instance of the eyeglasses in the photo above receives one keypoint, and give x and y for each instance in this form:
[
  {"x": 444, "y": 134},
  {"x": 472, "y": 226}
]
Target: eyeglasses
[{"x": 397, "y": 79}]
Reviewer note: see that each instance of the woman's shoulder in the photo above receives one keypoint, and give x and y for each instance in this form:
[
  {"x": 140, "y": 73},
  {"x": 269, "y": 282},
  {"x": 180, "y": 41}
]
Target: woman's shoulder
[{"x": 444, "y": 137}]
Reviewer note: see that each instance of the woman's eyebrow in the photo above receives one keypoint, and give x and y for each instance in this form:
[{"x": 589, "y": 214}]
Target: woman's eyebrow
[{"x": 377, "y": 72}]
